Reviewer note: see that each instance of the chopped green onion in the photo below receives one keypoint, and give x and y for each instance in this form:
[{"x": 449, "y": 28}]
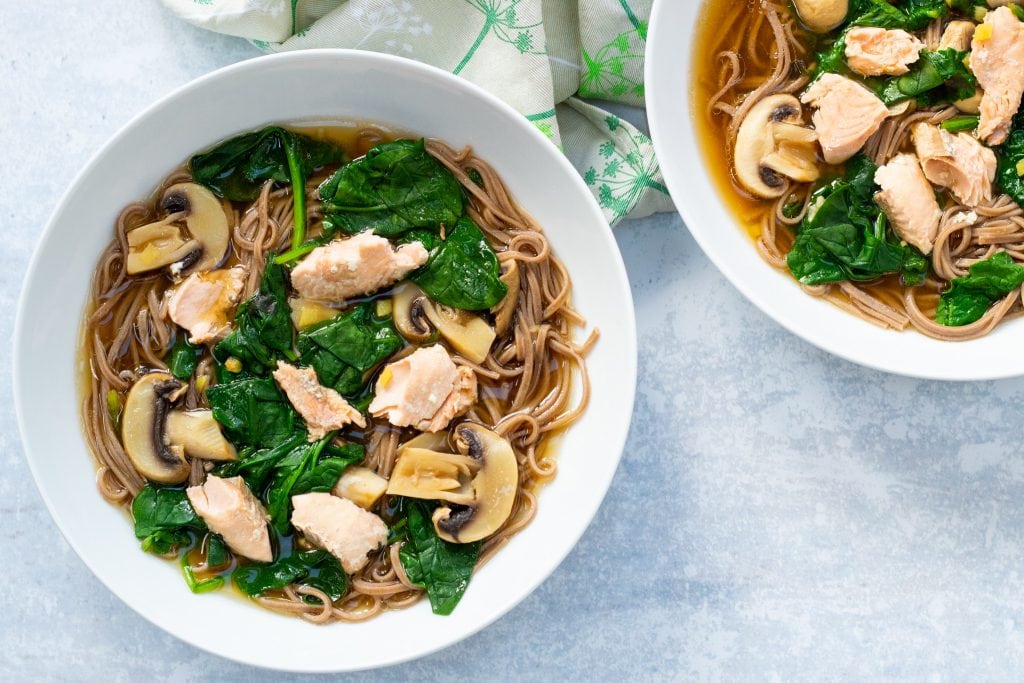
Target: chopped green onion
[
  {"x": 295, "y": 253},
  {"x": 960, "y": 123},
  {"x": 199, "y": 585},
  {"x": 298, "y": 191}
]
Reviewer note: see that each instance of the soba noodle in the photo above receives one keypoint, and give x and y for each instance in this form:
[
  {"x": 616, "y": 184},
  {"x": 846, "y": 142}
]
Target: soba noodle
[
  {"x": 527, "y": 382},
  {"x": 761, "y": 50}
]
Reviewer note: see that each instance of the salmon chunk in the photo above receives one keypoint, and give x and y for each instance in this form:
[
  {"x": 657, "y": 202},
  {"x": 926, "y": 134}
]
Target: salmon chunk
[
  {"x": 424, "y": 390},
  {"x": 846, "y": 115},
  {"x": 204, "y": 303},
  {"x": 881, "y": 52},
  {"x": 957, "y": 162},
  {"x": 229, "y": 509},
  {"x": 997, "y": 60},
  {"x": 323, "y": 408},
  {"x": 352, "y": 267},
  {"x": 909, "y": 201},
  {"x": 340, "y": 527}
]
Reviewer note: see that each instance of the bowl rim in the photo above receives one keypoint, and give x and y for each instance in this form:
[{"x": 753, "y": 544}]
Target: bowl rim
[
  {"x": 627, "y": 334},
  {"x": 884, "y": 350}
]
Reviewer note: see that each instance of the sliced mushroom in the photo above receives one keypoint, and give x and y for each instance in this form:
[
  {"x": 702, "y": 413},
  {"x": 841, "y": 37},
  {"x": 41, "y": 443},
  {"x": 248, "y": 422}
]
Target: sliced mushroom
[
  {"x": 206, "y": 222},
  {"x": 142, "y": 428},
  {"x": 821, "y": 16},
  {"x": 772, "y": 145},
  {"x": 361, "y": 485},
  {"x": 408, "y": 314},
  {"x": 196, "y": 434},
  {"x": 468, "y": 334},
  {"x": 433, "y": 475},
  {"x": 494, "y": 487},
  {"x": 505, "y": 311},
  {"x": 165, "y": 244},
  {"x": 972, "y": 104}
]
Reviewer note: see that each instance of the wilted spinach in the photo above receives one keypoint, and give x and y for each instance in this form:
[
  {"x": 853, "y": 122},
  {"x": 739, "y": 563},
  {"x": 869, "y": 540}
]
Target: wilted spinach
[
  {"x": 442, "y": 568},
  {"x": 463, "y": 270},
  {"x": 263, "y": 325},
  {"x": 183, "y": 357},
  {"x": 936, "y": 78},
  {"x": 1010, "y": 156},
  {"x": 846, "y": 237},
  {"x": 316, "y": 568},
  {"x": 396, "y": 187},
  {"x": 253, "y": 412},
  {"x": 164, "y": 519},
  {"x": 968, "y": 298},
  {"x": 343, "y": 349},
  {"x": 311, "y": 467},
  {"x": 237, "y": 168}
]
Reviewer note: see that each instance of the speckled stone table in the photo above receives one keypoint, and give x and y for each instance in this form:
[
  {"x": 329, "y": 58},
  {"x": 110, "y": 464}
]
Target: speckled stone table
[{"x": 778, "y": 514}]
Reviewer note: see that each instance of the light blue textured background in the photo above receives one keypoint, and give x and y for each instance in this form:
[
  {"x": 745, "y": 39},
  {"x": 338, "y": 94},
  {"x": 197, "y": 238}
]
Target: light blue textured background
[{"x": 778, "y": 513}]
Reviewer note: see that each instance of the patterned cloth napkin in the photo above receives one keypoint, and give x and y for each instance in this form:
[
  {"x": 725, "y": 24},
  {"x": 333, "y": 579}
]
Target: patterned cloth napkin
[{"x": 540, "y": 56}]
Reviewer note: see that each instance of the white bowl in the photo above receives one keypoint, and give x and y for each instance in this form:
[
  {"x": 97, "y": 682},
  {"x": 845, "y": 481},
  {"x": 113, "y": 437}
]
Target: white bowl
[
  {"x": 316, "y": 84},
  {"x": 671, "y": 117}
]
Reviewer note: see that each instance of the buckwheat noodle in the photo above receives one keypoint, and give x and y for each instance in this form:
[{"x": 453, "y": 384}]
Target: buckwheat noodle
[{"x": 526, "y": 382}]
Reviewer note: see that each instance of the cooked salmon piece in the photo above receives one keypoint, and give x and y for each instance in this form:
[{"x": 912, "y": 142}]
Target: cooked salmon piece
[
  {"x": 909, "y": 201},
  {"x": 957, "y": 36},
  {"x": 204, "y": 304},
  {"x": 229, "y": 509},
  {"x": 881, "y": 52},
  {"x": 323, "y": 408},
  {"x": 424, "y": 390},
  {"x": 957, "y": 162},
  {"x": 846, "y": 115},
  {"x": 340, "y": 527},
  {"x": 997, "y": 61},
  {"x": 355, "y": 266}
]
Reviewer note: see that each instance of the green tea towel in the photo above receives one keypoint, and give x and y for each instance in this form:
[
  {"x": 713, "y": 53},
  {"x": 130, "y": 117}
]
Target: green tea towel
[{"x": 540, "y": 56}]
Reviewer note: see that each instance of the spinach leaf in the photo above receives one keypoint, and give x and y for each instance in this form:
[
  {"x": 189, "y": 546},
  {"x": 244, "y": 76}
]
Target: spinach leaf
[
  {"x": 343, "y": 349},
  {"x": 968, "y": 298},
  {"x": 920, "y": 13},
  {"x": 942, "y": 69},
  {"x": 847, "y": 238},
  {"x": 164, "y": 519},
  {"x": 333, "y": 460},
  {"x": 183, "y": 357},
  {"x": 237, "y": 168},
  {"x": 217, "y": 553},
  {"x": 396, "y": 187},
  {"x": 256, "y": 466},
  {"x": 316, "y": 568},
  {"x": 253, "y": 412},
  {"x": 463, "y": 270},
  {"x": 263, "y": 325},
  {"x": 311, "y": 467},
  {"x": 1010, "y": 156},
  {"x": 442, "y": 568}
]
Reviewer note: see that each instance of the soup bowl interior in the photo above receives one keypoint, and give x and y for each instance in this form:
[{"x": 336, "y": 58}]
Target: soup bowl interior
[
  {"x": 672, "y": 113},
  {"x": 327, "y": 85}
]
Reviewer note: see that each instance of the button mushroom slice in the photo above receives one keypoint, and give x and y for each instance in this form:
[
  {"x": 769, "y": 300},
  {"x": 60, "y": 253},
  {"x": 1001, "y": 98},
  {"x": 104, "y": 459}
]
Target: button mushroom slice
[
  {"x": 158, "y": 245},
  {"x": 468, "y": 334},
  {"x": 196, "y": 434},
  {"x": 433, "y": 475},
  {"x": 505, "y": 311},
  {"x": 494, "y": 487},
  {"x": 361, "y": 485},
  {"x": 769, "y": 147},
  {"x": 206, "y": 221},
  {"x": 821, "y": 16},
  {"x": 407, "y": 312},
  {"x": 143, "y": 426}
]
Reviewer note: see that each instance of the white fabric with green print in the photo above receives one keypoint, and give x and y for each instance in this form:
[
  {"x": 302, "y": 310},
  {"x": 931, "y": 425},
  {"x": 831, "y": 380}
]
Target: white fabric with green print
[{"x": 540, "y": 56}]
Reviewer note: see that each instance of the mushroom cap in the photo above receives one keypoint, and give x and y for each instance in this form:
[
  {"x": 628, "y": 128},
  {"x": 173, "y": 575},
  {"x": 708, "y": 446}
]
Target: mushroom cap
[
  {"x": 143, "y": 426},
  {"x": 206, "y": 221},
  {"x": 770, "y": 139},
  {"x": 821, "y": 16},
  {"x": 408, "y": 313},
  {"x": 494, "y": 487}
]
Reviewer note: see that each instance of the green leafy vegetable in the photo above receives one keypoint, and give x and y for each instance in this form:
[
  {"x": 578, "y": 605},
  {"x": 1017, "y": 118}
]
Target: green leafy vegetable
[
  {"x": 396, "y": 187},
  {"x": 968, "y": 298},
  {"x": 1010, "y": 157},
  {"x": 943, "y": 69},
  {"x": 217, "y": 553},
  {"x": 343, "y": 349},
  {"x": 316, "y": 568},
  {"x": 199, "y": 585},
  {"x": 323, "y": 475},
  {"x": 263, "y": 325},
  {"x": 256, "y": 466},
  {"x": 164, "y": 519},
  {"x": 845, "y": 236},
  {"x": 463, "y": 270},
  {"x": 442, "y": 568},
  {"x": 183, "y": 358},
  {"x": 253, "y": 412}
]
